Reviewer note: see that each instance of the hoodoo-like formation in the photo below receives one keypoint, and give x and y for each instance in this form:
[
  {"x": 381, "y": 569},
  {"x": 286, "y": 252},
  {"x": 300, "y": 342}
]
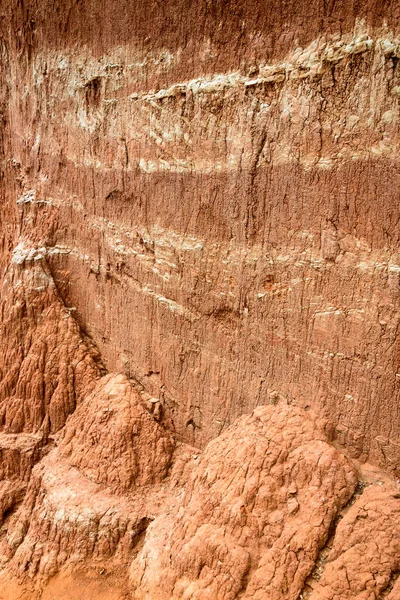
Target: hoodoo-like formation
[
  {"x": 199, "y": 300},
  {"x": 112, "y": 439}
]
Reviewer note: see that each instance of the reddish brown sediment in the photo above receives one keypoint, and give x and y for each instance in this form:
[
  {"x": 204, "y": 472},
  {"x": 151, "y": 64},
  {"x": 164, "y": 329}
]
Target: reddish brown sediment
[{"x": 199, "y": 296}]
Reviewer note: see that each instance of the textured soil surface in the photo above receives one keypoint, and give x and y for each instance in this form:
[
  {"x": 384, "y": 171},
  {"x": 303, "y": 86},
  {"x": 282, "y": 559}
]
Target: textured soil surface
[{"x": 199, "y": 300}]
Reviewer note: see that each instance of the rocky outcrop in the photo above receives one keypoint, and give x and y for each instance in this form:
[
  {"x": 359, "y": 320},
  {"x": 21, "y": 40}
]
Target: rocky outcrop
[{"x": 199, "y": 300}]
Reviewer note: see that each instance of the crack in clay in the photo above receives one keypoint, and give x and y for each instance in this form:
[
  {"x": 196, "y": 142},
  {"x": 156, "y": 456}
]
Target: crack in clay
[
  {"x": 392, "y": 581},
  {"x": 323, "y": 555}
]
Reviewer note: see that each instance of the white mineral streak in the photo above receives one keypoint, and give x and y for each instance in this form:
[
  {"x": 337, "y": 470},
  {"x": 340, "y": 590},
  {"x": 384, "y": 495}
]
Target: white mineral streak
[
  {"x": 150, "y": 114},
  {"x": 166, "y": 244},
  {"x": 303, "y": 63}
]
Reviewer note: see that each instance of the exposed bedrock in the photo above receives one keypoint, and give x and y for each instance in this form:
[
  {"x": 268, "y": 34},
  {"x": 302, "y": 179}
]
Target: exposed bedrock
[
  {"x": 199, "y": 300},
  {"x": 221, "y": 218}
]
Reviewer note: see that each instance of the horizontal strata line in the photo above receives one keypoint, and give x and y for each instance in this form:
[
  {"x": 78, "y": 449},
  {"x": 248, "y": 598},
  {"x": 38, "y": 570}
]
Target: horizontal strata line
[
  {"x": 126, "y": 241},
  {"x": 23, "y": 253},
  {"x": 312, "y": 61},
  {"x": 321, "y": 50},
  {"x": 312, "y": 161},
  {"x": 284, "y": 157}
]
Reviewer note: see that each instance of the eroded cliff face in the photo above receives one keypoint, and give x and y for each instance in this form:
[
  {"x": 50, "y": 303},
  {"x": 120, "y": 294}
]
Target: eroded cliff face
[{"x": 200, "y": 277}]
